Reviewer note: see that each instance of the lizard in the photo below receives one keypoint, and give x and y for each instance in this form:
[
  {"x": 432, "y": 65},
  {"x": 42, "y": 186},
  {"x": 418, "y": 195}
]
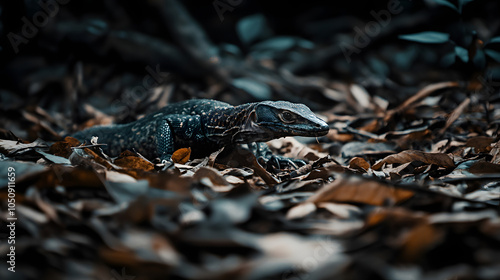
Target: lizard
[{"x": 207, "y": 125}]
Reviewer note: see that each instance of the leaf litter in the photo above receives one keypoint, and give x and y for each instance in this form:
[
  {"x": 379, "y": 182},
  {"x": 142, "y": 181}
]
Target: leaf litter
[
  {"x": 239, "y": 220},
  {"x": 404, "y": 186}
]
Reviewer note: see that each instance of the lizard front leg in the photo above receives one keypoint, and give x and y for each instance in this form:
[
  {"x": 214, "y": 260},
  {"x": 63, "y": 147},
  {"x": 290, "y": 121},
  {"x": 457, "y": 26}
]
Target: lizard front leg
[
  {"x": 270, "y": 161},
  {"x": 165, "y": 142}
]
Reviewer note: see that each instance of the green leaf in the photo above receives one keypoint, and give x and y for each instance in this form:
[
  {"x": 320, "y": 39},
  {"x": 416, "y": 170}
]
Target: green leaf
[
  {"x": 494, "y": 40},
  {"x": 253, "y": 28},
  {"x": 283, "y": 43},
  {"x": 230, "y": 48},
  {"x": 493, "y": 54},
  {"x": 427, "y": 37},
  {"x": 259, "y": 91},
  {"x": 446, "y": 3},
  {"x": 448, "y": 59},
  {"x": 462, "y": 53}
]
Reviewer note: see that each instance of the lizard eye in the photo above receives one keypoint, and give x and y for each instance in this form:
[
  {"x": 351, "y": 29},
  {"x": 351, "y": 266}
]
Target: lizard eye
[{"x": 287, "y": 117}]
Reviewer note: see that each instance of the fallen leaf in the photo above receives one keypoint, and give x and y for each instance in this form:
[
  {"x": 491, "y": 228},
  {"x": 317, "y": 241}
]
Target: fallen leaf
[
  {"x": 340, "y": 210},
  {"x": 439, "y": 159},
  {"x": 211, "y": 178},
  {"x": 53, "y": 158},
  {"x": 11, "y": 148},
  {"x": 63, "y": 148},
  {"x": 360, "y": 191},
  {"x": 181, "y": 155},
  {"x": 359, "y": 164},
  {"x": 301, "y": 210},
  {"x": 424, "y": 92},
  {"x": 495, "y": 152},
  {"x": 483, "y": 167},
  {"x": 129, "y": 160},
  {"x": 455, "y": 114},
  {"x": 292, "y": 148},
  {"x": 481, "y": 144},
  {"x": 418, "y": 241}
]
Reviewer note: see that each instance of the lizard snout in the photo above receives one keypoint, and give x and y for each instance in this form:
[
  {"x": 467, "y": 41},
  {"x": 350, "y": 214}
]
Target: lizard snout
[{"x": 321, "y": 127}]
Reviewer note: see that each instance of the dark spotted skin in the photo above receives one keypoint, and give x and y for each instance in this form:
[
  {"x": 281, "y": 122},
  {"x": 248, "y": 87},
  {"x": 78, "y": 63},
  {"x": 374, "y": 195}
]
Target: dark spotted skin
[{"x": 205, "y": 126}]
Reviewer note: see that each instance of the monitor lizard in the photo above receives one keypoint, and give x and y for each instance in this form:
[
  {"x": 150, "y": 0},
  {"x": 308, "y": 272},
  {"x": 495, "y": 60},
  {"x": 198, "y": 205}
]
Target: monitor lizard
[{"x": 206, "y": 126}]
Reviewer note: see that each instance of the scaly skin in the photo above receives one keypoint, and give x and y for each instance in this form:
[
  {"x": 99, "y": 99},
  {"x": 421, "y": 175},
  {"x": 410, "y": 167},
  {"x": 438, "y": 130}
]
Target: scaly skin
[{"x": 206, "y": 126}]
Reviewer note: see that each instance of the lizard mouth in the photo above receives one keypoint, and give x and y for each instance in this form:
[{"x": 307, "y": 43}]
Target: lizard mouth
[
  {"x": 265, "y": 131},
  {"x": 320, "y": 129}
]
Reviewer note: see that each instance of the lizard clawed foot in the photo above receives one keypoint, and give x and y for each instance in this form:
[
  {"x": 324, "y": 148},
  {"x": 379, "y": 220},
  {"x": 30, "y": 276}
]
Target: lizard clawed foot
[{"x": 280, "y": 162}]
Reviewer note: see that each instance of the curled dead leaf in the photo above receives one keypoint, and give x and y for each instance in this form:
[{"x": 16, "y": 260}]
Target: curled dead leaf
[
  {"x": 359, "y": 164},
  {"x": 181, "y": 155},
  {"x": 439, "y": 159},
  {"x": 455, "y": 114},
  {"x": 424, "y": 92},
  {"x": 292, "y": 148},
  {"x": 129, "y": 160},
  {"x": 63, "y": 148},
  {"x": 212, "y": 178},
  {"x": 11, "y": 148},
  {"x": 360, "y": 191}
]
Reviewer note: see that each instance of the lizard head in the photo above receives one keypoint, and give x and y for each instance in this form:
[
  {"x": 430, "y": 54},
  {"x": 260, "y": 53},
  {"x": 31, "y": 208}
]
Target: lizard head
[{"x": 274, "y": 119}]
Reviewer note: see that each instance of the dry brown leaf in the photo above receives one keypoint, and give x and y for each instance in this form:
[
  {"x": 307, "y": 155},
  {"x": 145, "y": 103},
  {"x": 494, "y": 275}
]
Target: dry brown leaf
[
  {"x": 63, "y": 148},
  {"x": 181, "y": 155},
  {"x": 483, "y": 167},
  {"x": 294, "y": 149},
  {"x": 129, "y": 160},
  {"x": 360, "y": 191},
  {"x": 325, "y": 171},
  {"x": 439, "y": 159},
  {"x": 334, "y": 135},
  {"x": 481, "y": 144},
  {"x": 359, "y": 164},
  {"x": 371, "y": 126},
  {"x": 426, "y": 91},
  {"x": 59, "y": 175},
  {"x": 418, "y": 136},
  {"x": 240, "y": 157},
  {"x": 455, "y": 114},
  {"x": 418, "y": 241},
  {"x": 97, "y": 158},
  {"x": 395, "y": 215},
  {"x": 495, "y": 152},
  {"x": 10, "y": 147},
  {"x": 169, "y": 181},
  {"x": 213, "y": 179}
]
